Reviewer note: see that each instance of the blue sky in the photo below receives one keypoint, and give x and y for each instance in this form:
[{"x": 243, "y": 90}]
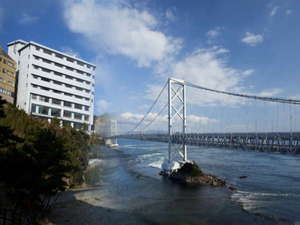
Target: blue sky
[{"x": 250, "y": 46}]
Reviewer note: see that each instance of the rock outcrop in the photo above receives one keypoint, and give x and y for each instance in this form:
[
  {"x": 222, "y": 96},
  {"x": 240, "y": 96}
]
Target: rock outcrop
[{"x": 190, "y": 174}]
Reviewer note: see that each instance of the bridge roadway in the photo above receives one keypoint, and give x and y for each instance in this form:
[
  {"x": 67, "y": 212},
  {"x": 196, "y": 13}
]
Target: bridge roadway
[{"x": 283, "y": 142}]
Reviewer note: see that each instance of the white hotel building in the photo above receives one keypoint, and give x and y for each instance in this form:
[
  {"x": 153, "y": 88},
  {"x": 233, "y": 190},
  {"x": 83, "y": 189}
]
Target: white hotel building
[{"x": 53, "y": 84}]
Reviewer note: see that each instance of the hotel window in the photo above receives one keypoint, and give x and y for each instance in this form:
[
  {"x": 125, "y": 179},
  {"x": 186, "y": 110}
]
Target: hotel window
[
  {"x": 86, "y": 117},
  {"x": 44, "y": 99},
  {"x": 33, "y": 108},
  {"x": 33, "y": 96},
  {"x": 80, "y": 63},
  {"x": 43, "y": 110},
  {"x": 78, "y": 116},
  {"x": 79, "y": 80},
  {"x": 45, "y": 79},
  {"x": 58, "y": 74},
  {"x": 77, "y": 125},
  {"x": 69, "y": 68},
  {"x": 47, "y": 52},
  {"x": 79, "y": 71},
  {"x": 68, "y": 85},
  {"x": 78, "y": 106},
  {"x": 37, "y": 48},
  {"x": 67, "y": 114},
  {"x": 59, "y": 56},
  {"x": 69, "y": 77},
  {"x": 70, "y": 60},
  {"x": 45, "y": 89},
  {"x": 68, "y": 104},
  {"x": 59, "y": 65},
  {"x": 56, "y": 91},
  {"x": 55, "y": 112},
  {"x": 47, "y": 61},
  {"x": 66, "y": 123},
  {"x": 68, "y": 94},
  {"x": 86, "y": 108},
  {"x": 56, "y": 101},
  {"x": 57, "y": 82},
  {"x": 46, "y": 70}
]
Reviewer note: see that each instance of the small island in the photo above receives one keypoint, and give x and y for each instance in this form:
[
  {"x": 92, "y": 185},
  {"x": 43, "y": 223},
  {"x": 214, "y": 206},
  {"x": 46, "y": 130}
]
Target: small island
[{"x": 190, "y": 174}]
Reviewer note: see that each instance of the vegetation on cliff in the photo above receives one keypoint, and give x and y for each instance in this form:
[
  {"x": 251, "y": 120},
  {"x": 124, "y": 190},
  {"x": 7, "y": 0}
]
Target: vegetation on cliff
[{"x": 38, "y": 159}]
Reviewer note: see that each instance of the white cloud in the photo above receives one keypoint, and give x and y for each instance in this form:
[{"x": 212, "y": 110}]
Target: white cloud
[
  {"x": 252, "y": 39},
  {"x": 209, "y": 68},
  {"x": 27, "y": 19},
  {"x": 288, "y": 12},
  {"x": 102, "y": 105},
  {"x": 118, "y": 29},
  {"x": 274, "y": 10},
  {"x": 270, "y": 92},
  {"x": 248, "y": 72},
  {"x": 170, "y": 15},
  {"x": 161, "y": 120},
  {"x": 214, "y": 32}
]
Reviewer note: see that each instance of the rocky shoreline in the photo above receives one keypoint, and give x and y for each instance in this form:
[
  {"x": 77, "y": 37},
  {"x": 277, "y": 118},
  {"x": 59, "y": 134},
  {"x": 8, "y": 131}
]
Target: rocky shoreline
[{"x": 190, "y": 174}]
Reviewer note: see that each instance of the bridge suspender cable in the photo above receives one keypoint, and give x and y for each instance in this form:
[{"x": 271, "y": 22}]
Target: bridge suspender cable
[{"x": 150, "y": 109}]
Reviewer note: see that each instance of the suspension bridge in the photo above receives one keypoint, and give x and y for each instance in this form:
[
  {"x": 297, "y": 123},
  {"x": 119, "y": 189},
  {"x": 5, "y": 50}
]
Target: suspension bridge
[{"x": 209, "y": 117}]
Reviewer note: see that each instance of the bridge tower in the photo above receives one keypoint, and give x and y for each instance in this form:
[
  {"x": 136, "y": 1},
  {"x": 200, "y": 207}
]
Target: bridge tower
[{"x": 177, "y": 110}]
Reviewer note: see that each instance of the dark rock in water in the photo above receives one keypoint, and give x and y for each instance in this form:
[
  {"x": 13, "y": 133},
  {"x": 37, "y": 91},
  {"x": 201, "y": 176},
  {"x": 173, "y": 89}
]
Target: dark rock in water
[
  {"x": 243, "y": 177},
  {"x": 232, "y": 188},
  {"x": 190, "y": 174}
]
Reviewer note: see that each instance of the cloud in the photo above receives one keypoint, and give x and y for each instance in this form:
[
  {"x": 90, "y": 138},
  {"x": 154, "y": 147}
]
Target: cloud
[
  {"x": 208, "y": 67},
  {"x": 288, "y": 12},
  {"x": 274, "y": 10},
  {"x": 248, "y": 72},
  {"x": 214, "y": 32},
  {"x": 270, "y": 92},
  {"x": 160, "y": 123},
  {"x": 170, "y": 15},
  {"x": 116, "y": 28},
  {"x": 102, "y": 105},
  {"x": 27, "y": 19},
  {"x": 252, "y": 39}
]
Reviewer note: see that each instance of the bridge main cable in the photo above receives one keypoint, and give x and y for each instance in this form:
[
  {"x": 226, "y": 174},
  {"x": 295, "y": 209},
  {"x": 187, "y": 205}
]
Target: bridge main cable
[{"x": 269, "y": 99}]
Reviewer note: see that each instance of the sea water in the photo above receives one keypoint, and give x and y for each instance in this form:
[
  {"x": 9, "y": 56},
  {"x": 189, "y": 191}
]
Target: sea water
[{"x": 271, "y": 186}]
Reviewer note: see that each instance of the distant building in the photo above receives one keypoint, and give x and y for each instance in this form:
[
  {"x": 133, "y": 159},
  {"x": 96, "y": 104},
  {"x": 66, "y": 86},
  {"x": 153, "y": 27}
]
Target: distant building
[
  {"x": 7, "y": 76},
  {"x": 107, "y": 128},
  {"x": 54, "y": 84}
]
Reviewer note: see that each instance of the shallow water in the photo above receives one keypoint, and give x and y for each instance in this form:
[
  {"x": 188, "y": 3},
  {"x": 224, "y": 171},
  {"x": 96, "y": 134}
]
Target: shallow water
[{"x": 271, "y": 189}]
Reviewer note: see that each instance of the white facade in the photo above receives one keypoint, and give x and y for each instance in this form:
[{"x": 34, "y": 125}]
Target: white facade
[
  {"x": 53, "y": 84},
  {"x": 108, "y": 128}
]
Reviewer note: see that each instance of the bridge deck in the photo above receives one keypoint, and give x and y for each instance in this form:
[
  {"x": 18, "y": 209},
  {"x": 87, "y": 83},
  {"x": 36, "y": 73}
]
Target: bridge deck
[{"x": 272, "y": 141}]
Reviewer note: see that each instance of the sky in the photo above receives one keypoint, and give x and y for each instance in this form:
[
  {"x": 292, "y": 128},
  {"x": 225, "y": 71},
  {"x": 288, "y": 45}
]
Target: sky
[{"x": 249, "y": 46}]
